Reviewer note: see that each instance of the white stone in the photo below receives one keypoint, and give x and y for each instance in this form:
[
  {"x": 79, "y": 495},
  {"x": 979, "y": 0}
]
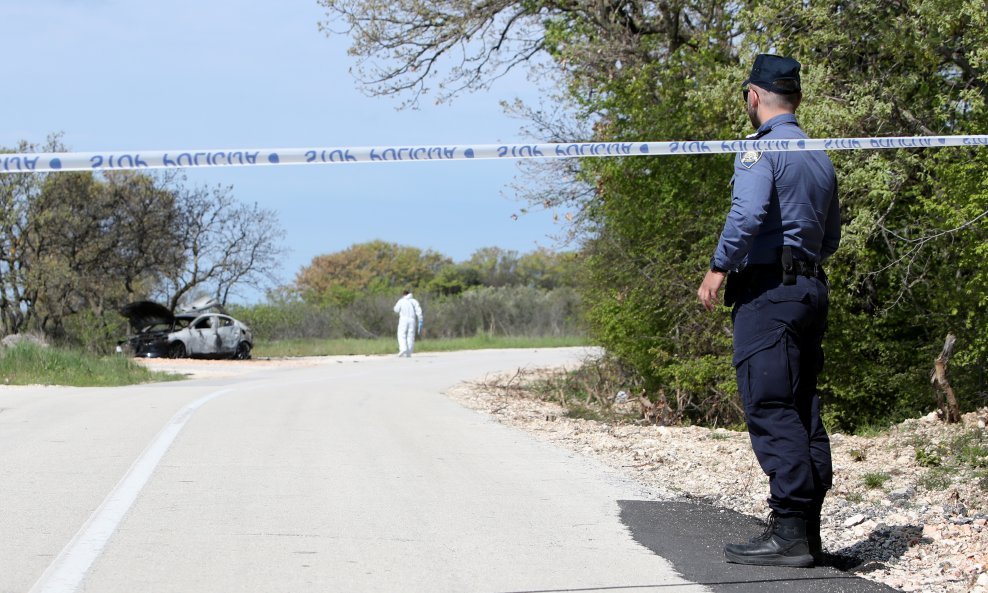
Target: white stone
[{"x": 855, "y": 520}]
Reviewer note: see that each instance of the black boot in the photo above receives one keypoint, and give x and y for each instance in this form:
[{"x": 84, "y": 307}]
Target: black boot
[
  {"x": 782, "y": 544},
  {"x": 813, "y": 539}
]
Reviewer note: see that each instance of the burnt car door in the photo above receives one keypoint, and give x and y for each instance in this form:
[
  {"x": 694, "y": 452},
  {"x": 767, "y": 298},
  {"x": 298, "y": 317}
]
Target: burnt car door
[
  {"x": 229, "y": 334},
  {"x": 204, "y": 335}
]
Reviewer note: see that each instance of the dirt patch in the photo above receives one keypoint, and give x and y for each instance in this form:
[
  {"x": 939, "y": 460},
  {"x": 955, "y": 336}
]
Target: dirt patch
[{"x": 897, "y": 514}]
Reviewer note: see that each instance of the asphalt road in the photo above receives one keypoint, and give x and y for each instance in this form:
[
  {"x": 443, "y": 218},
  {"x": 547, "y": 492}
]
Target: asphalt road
[{"x": 355, "y": 475}]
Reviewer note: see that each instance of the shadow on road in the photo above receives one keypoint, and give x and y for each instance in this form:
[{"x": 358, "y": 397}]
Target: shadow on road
[{"x": 692, "y": 536}]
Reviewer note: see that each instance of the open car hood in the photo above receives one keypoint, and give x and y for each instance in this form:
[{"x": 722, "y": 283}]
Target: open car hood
[
  {"x": 201, "y": 305},
  {"x": 143, "y": 314}
]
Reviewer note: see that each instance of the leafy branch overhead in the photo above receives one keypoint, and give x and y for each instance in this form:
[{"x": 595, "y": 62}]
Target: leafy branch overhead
[{"x": 406, "y": 47}]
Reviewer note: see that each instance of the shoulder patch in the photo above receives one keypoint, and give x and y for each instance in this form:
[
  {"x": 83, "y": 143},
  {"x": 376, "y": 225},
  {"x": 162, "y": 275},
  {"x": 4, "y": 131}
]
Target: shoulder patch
[{"x": 749, "y": 158}]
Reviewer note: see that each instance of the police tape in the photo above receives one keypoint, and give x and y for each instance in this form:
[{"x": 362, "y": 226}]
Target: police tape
[{"x": 181, "y": 159}]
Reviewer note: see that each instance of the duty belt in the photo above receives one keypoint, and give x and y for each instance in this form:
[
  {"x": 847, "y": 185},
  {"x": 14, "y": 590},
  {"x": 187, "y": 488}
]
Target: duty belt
[
  {"x": 799, "y": 268},
  {"x": 786, "y": 268},
  {"x": 790, "y": 267}
]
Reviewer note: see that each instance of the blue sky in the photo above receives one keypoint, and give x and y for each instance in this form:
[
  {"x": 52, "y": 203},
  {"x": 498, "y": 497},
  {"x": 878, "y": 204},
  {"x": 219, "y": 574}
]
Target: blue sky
[{"x": 209, "y": 74}]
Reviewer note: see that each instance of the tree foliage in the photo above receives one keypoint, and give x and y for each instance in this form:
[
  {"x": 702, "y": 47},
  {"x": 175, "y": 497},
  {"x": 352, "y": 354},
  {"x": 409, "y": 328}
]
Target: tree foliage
[
  {"x": 373, "y": 267},
  {"x": 379, "y": 267},
  {"x": 92, "y": 244},
  {"x": 351, "y": 294},
  {"x": 911, "y": 267},
  {"x": 912, "y": 263}
]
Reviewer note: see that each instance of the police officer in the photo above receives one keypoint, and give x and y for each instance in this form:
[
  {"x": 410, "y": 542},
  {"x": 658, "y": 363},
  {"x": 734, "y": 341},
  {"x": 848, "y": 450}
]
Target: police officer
[{"x": 783, "y": 223}]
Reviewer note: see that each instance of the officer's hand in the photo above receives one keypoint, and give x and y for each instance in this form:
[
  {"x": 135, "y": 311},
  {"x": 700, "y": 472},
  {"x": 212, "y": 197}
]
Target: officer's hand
[{"x": 709, "y": 288}]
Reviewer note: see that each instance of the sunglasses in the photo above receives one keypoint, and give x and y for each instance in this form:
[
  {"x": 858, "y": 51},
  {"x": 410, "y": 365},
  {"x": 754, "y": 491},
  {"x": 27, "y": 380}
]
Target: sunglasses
[{"x": 744, "y": 93}]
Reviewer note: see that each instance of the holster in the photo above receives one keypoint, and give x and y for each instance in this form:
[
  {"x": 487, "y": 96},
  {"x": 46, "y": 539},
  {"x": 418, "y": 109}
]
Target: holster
[{"x": 788, "y": 268}]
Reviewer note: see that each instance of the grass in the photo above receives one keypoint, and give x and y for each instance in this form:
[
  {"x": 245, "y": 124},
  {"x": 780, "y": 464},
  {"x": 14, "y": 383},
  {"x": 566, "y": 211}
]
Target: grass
[
  {"x": 589, "y": 392},
  {"x": 963, "y": 457},
  {"x": 936, "y": 479},
  {"x": 928, "y": 459},
  {"x": 875, "y": 479},
  {"x": 340, "y": 347},
  {"x": 970, "y": 449},
  {"x": 28, "y": 364},
  {"x": 580, "y": 412},
  {"x": 871, "y": 430}
]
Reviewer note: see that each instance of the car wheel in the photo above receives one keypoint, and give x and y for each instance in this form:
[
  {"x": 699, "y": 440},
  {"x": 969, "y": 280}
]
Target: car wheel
[
  {"x": 176, "y": 350},
  {"x": 243, "y": 351}
]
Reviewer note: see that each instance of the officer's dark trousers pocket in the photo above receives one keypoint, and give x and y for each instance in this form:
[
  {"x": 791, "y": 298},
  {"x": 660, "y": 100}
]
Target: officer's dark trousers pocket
[{"x": 778, "y": 413}]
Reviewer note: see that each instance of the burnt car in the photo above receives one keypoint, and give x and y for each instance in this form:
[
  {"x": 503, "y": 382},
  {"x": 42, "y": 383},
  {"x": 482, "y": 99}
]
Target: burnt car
[{"x": 196, "y": 332}]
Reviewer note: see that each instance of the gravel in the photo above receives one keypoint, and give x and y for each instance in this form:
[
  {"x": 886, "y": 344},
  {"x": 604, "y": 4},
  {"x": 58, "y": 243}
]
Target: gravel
[{"x": 889, "y": 518}]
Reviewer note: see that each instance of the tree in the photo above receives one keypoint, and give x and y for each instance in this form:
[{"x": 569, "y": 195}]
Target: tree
[
  {"x": 495, "y": 266},
  {"x": 403, "y": 46},
  {"x": 455, "y": 279},
  {"x": 547, "y": 269},
  {"x": 223, "y": 244},
  {"x": 16, "y": 194},
  {"x": 374, "y": 267},
  {"x": 91, "y": 245}
]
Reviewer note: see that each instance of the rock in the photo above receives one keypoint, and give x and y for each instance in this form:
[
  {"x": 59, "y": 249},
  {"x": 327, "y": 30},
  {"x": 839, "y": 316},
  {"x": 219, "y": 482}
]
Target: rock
[
  {"x": 855, "y": 520},
  {"x": 954, "y": 509},
  {"x": 932, "y": 533},
  {"x": 15, "y": 339},
  {"x": 902, "y": 494}
]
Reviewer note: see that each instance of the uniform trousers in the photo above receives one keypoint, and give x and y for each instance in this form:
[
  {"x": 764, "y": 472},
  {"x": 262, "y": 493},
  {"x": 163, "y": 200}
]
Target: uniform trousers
[{"x": 778, "y": 332}]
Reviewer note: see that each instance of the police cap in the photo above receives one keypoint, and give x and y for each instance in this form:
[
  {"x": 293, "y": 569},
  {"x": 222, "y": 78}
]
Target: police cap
[{"x": 773, "y": 73}]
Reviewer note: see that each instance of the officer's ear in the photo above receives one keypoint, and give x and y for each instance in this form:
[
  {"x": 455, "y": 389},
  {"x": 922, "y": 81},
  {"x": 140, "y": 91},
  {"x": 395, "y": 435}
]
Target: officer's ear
[{"x": 757, "y": 92}]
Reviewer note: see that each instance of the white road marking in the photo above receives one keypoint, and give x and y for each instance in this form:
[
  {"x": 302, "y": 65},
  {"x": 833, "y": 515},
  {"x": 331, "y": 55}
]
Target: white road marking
[{"x": 67, "y": 572}]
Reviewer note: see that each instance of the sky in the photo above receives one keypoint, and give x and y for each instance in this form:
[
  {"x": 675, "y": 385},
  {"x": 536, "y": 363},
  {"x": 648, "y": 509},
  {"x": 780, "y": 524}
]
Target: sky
[{"x": 115, "y": 75}]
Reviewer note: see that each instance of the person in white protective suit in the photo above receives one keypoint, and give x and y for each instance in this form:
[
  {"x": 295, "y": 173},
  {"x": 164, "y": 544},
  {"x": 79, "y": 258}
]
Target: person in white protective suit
[{"x": 409, "y": 323}]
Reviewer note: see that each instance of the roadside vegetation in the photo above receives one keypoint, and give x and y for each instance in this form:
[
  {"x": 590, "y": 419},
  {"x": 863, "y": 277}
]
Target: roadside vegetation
[
  {"x": 385, "y": 346},
  {"x": 31, "y": 364},
  {"x": 911, "y": 267},
  {"x": 342, "y": 303},
  {"x": 943, "y": 456}
]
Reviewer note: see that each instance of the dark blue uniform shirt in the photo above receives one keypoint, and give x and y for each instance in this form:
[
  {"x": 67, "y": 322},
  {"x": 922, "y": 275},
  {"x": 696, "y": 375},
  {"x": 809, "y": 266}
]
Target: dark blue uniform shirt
[{"x": 780, "y": 198}]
